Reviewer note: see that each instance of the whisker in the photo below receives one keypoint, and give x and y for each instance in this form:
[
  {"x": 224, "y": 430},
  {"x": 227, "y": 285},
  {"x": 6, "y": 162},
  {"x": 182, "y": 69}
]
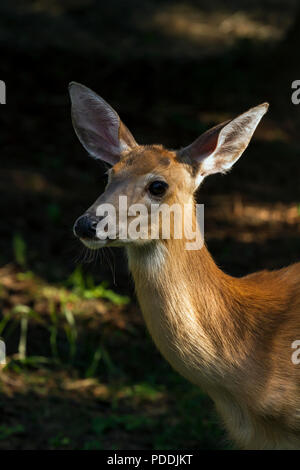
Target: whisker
[{"x": 111, "y": 263}]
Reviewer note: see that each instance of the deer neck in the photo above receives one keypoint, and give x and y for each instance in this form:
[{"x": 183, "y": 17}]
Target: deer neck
[{"x": 184, "y": 299}]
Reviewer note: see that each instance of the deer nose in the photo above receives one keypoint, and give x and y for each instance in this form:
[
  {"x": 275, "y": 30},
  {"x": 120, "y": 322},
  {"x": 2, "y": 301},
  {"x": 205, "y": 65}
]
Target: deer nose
[{"x": 85, "y": 226}]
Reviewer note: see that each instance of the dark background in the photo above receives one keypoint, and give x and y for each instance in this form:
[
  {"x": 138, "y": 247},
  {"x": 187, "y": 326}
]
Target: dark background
[{"x": 81, "y": 370}]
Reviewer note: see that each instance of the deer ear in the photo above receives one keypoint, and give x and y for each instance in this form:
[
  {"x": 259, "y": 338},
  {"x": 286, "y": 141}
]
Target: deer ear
[
  {"x": 219, "y": 148},
  {"x": 98, "y": 126}
]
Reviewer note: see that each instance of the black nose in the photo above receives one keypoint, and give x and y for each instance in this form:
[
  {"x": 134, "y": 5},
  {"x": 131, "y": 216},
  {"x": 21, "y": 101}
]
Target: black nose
[{"x": 85, "y": 226}]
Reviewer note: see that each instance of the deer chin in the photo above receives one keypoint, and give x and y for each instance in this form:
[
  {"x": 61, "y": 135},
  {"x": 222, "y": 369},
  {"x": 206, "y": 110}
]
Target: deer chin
[
  {"x": 109, "y": 242},
  {"x": 98, "y": 244}
]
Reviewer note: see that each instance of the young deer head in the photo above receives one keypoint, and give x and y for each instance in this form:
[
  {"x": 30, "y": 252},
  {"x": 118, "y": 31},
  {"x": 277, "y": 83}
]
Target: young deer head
[{"x": 148, "y": 175}]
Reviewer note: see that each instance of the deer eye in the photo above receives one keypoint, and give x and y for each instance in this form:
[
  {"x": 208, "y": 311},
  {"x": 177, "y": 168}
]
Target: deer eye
[{"x": 158, "y": 188}]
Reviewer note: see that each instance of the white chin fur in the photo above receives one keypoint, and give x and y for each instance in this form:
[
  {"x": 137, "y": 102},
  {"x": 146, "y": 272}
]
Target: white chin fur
[{"x": 96, "y": 244}]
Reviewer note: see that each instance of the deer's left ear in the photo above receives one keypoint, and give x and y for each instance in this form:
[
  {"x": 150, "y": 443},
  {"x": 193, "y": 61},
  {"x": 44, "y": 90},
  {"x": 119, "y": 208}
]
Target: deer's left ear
[
  {"x": 98, "y": 126},
  {"x": 219, "y": 148}
]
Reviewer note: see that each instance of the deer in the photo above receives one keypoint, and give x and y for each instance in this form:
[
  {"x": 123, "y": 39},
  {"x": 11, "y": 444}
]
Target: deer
[{"x": 230, "y": 336}]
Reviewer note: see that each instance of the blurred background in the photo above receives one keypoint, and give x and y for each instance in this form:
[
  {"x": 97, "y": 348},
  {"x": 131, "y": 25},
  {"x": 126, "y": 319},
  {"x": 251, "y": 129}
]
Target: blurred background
[{"x": 82, "y": 372}]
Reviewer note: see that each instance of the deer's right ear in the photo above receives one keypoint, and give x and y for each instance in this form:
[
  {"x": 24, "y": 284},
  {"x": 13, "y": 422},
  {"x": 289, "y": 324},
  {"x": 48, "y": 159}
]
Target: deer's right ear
[
  {"x": 219, "y": 148},
  {"x": 98, "y": 126}
]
